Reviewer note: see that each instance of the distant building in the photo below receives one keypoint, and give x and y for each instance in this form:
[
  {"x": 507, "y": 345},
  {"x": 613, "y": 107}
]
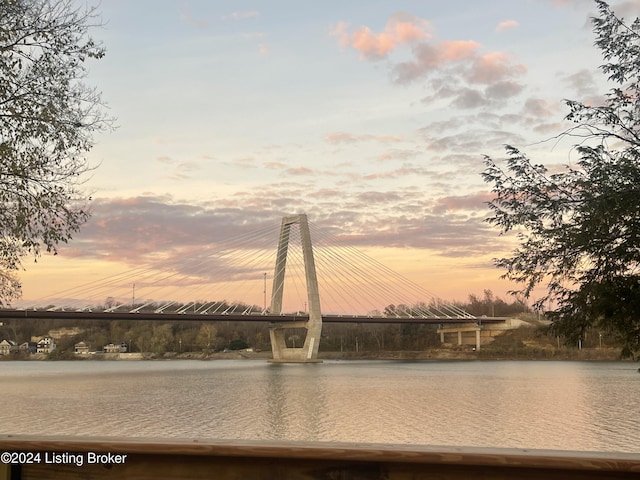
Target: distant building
[
  {"x": 113, "y": 348},
  {"x": 81, "y": 348},
  {"x": 7, "y": 347},
  {"x": 46, "y": 345}
]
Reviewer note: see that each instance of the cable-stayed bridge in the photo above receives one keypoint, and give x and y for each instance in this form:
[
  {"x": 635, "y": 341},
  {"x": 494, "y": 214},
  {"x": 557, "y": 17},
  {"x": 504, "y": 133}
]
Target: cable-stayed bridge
[{"x": 299, "y": 285}]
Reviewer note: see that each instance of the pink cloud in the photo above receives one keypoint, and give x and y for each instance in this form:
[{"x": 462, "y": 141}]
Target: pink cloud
[
  {"x": 370, "y": 44},
  {"x": 407, "y": 32},
  {"x": 474, "y": 201},
  {"x": 397, "y": 155},
  {"x": 460, "y": 57},
  {"x": 186, "y": 237},
  {"x": 493, "y": 67},
  {"x": 400, "y": 29},
  {"x": 325, "y": 193},
  {"x": 274, "y": 165},
  {"x": 455, "y": 51},
  {"x": 507, "y": 25},
  {"x": 399, "y": 172},
  {"x": 299, "y": 171}
]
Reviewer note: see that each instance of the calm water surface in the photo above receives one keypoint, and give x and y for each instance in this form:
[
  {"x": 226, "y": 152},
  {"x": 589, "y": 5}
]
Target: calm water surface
[{"x": 550, "y": 405}]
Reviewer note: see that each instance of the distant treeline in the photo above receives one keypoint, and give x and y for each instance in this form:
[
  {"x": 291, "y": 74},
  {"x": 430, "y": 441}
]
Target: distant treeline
[{"x": 493, "y": 306}]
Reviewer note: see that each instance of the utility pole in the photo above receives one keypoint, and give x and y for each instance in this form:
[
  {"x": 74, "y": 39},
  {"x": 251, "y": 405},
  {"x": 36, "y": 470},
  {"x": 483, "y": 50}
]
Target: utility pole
[{"x": 265, "y": 292}]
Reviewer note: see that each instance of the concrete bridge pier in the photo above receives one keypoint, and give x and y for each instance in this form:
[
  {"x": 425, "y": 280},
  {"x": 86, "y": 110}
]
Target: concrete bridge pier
[
  {"x": 308, "y": 353},
  {"x": 484, "y": 330},
  {"x": 460, "y": 330}
]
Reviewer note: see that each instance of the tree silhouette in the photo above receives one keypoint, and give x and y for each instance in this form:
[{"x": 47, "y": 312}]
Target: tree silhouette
[
  {"x": 579, "y": 230},
  {"x": 47, "y": 118}
]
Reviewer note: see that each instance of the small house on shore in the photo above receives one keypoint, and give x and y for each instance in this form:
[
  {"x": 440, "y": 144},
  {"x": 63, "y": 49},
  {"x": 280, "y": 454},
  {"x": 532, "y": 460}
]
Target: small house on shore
[
  {"x": 113, "y": 348},
  {"x": 7, "y": 347},
  {"x": 46, "y": 345},
  {"x": 81, "y": 348}
]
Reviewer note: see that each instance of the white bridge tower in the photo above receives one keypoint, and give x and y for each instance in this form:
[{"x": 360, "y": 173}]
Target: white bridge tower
[{"x": 308, "y": 353}]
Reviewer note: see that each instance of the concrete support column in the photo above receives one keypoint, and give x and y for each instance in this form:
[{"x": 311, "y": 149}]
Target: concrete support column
[
  {"x": 314, "y": 326},
  {"x": 478, "y": 339},
  {"x": 459, "y": 337}
]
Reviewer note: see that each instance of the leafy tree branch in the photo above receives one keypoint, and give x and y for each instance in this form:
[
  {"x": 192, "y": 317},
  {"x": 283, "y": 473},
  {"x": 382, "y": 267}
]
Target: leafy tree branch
[
  {"x": 579, "y": 230},
  {"x": 48, "y": 116}
]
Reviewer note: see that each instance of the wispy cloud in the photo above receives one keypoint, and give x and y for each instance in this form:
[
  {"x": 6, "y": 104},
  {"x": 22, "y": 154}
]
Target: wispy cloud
[
  {"x": 405, "y": 170},
  {"x": 397, "y": 154},
  {"x": 493, "y": 67},
  {"x": 177, "y": 169},
  {"x": 506, "y": 26},
  {"x": 627, "y": 8},
  {"x": 187, "y": 17},
  {"x": 584, "y": 85},
  {"x": 475, "y": 201},
  {"x": 138, "y": 229},
  {"x": 299, "y": 171},
  {"x": 345, "y": 137},
  {"x": 474, "y": 67},
  {"x": 538, "y": 107},
  {"x": 429, "y": 58}
]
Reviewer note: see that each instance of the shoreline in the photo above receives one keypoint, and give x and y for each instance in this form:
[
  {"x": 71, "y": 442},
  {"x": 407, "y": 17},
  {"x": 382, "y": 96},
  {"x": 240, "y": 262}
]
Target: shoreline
[{"x": 446, "y": 354}]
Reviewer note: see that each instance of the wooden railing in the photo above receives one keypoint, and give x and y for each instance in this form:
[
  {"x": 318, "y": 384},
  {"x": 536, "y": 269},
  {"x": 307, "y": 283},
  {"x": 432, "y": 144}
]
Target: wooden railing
[{"x": 137, "y": 459}]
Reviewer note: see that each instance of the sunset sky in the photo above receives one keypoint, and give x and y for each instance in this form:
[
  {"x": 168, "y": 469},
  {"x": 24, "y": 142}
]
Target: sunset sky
[{"x": 370, "y": 116}]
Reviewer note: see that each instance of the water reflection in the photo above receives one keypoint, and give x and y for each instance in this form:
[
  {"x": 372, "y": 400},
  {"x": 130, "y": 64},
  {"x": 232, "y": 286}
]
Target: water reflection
[
  {"x": 554, "y": 405},
  {"x": 296, "y": 402}
]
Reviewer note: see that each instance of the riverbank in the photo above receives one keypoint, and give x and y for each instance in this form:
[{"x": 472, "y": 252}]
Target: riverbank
[
  {"x": 524, "y": 343},
  {"x": 454, "y": 353},
  {"x": 526, "y": 353},
  {"x": 610, "y": 354}
]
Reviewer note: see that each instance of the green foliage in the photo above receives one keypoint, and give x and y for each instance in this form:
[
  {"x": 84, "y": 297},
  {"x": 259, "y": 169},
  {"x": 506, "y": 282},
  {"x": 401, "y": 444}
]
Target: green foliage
[
  {"x": 579, "y": 230},
  {"x": 161, "y": 338},
  {"x": 47, "y": 118},
  {"x": 238, "y": 344},
  {"x": 206, "y": 338}
]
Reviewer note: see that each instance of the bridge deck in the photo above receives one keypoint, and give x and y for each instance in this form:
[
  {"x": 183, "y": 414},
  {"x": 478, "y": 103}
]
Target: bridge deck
[{"x": 196, "y": 317}]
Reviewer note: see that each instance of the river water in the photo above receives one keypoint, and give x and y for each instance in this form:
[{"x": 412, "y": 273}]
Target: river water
[{"x": 548, "y": 405}]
